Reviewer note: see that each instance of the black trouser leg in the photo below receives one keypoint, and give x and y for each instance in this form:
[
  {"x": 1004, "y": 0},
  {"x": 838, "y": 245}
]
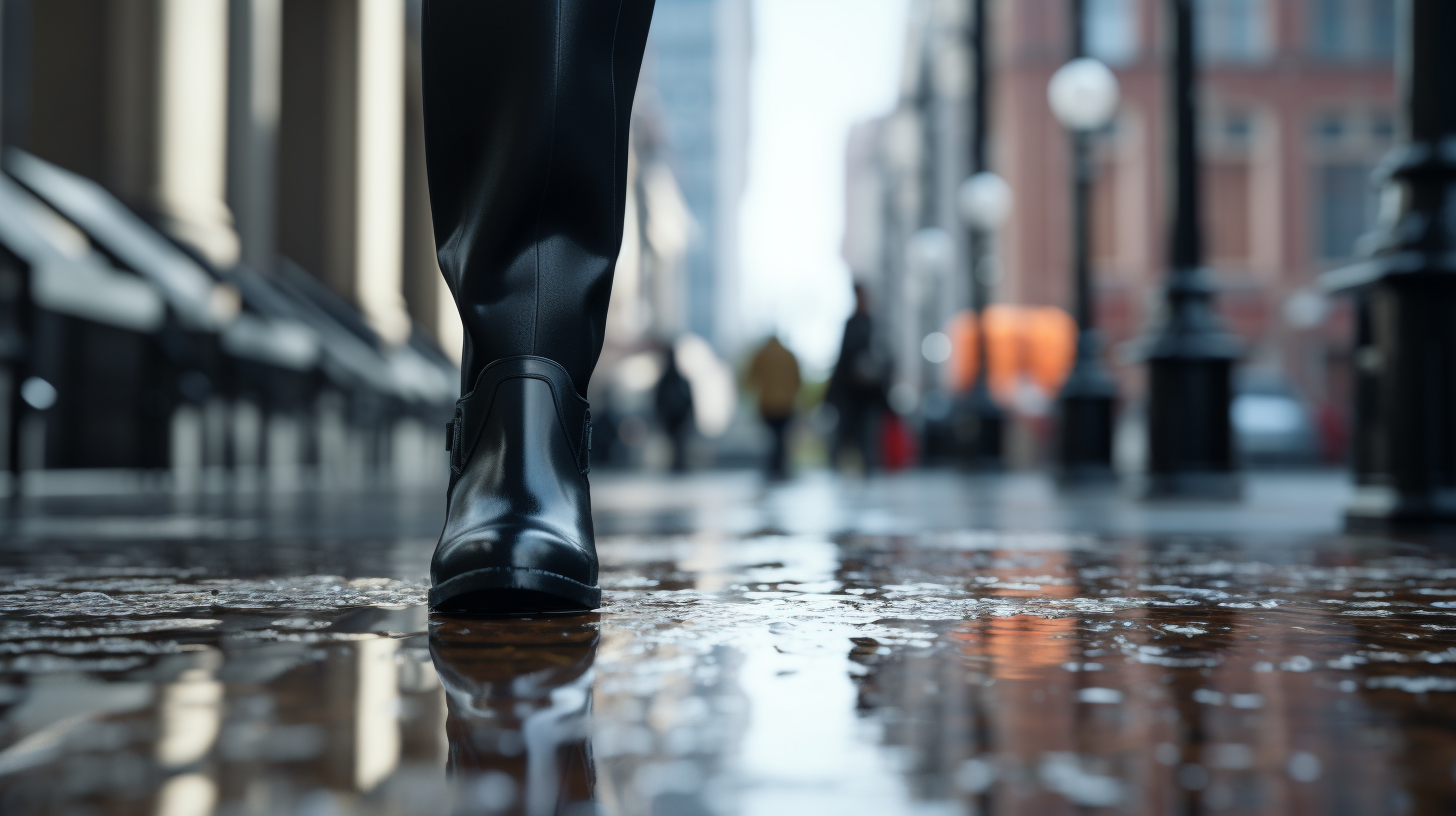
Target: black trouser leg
[
  {"x": 678, "y": 436},
  {"x": 527, "y": 112}
]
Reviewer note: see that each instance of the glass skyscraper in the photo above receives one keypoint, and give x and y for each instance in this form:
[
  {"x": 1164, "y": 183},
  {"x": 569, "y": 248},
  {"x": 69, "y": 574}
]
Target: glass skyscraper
[{"x": 698, "y": 60}]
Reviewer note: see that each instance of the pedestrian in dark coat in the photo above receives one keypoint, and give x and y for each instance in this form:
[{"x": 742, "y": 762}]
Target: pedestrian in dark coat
[
  {"x": 857, "y": 387},
  {"x": 673, "y": 399}
]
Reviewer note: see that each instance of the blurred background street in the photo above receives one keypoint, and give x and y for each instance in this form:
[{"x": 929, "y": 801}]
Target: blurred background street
[
  {"x": 1006, "y": 407},
  {"x": 226, "y": 204}
]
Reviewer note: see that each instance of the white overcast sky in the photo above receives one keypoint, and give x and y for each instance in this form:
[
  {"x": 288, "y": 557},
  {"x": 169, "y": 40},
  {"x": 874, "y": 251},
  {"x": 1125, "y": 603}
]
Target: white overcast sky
[{"x": 819, "y": 66}]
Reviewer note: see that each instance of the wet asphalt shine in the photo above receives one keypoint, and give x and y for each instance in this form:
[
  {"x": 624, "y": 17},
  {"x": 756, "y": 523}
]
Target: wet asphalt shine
[{"x": 918, "y": 644}]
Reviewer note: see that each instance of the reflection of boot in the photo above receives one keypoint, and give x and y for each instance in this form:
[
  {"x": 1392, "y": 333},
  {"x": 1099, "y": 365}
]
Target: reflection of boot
[
  {"x": 519, "y": 697},
  {"x": 527, "y": 109}
]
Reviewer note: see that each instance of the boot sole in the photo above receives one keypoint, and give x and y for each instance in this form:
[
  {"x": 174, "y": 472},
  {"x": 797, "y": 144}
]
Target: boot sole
[{"x": 509, "y": 591}]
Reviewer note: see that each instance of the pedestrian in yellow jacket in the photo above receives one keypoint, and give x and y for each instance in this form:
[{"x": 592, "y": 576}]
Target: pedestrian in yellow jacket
[{"x": 774, "y": 376}]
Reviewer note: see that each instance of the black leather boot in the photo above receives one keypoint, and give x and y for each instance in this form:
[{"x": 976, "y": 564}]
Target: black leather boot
[
  {"x": 518, "y": 528},
  {"x": 527, "y": 118}
]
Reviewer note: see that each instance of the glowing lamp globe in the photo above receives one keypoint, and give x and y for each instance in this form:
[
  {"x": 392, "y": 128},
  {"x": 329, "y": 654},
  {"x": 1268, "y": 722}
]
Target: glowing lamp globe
[
  {"x": 984, "y": 201},
  {"x": 931, "y": 251},
  {"x": 1083, "y": 94}
]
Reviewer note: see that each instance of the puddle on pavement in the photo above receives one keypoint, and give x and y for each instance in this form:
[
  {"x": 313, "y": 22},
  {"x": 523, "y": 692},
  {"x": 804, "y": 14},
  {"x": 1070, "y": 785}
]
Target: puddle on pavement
[{"x": 935, "y": 673}]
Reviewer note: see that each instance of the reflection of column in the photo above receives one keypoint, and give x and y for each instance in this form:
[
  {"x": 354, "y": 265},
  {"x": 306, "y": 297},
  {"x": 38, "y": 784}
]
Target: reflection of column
[
  {"x": 189, "y": 720},
  {"x": 363, "y": 699},
  {"x": 376, "y": 719},
  {"x": 341, "y": 152},
  {"x": 191, "y": 794},
  {"x": 190, "y": 716}
]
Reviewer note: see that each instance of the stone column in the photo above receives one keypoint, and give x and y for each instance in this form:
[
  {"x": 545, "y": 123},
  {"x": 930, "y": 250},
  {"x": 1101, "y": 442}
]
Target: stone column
[
  {"x": 191, "y": 123},
  {"x": 431, "y": 306},
  {"x": 341, "y": 152},
  {"x": 133, "y": 94},
  {"x": 255, "y": 56}
]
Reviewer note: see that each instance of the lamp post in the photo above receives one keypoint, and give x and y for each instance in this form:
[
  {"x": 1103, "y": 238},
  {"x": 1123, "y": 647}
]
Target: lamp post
[
  {"x": 984, "y": 201},
  {"x": 930, "y": 260},
  {"x": 1083, "y": 95},
  {"x": 1405, "y": 293},
  {"x": 1190, "y": 356}
]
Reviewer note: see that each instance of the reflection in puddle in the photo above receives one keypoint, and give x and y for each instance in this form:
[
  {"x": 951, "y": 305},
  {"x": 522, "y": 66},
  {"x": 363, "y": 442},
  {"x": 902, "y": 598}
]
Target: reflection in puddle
[
  {"x": 780, "y": 670},
  {"x": 519, "y": 694}
]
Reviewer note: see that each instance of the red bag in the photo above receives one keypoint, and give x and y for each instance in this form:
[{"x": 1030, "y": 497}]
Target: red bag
[{"x": 897, "y": 445}]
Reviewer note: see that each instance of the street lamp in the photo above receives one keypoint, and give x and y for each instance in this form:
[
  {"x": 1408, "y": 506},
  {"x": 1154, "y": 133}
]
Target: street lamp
[
  {"x": 1405, "y": 296},
  {"x": 1190, "y": 356},
  {"x": 1083, "y": 95},
  {"x": 930, "y": 252},
  {"x": 984, "y": 201}
]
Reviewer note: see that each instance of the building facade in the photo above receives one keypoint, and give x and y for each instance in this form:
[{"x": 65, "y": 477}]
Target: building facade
[
  {"x": 1297, "y": 107},
  {"x": 902, "y": 174},
  {"x": 698, "y": 65},
  {"x": 1296, "y": 104},
  {"x": 270, "y": 153}
]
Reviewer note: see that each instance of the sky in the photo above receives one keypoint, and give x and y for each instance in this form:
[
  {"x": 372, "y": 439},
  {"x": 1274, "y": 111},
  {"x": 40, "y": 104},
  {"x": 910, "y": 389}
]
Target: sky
[{"x": 819, "y": 66}]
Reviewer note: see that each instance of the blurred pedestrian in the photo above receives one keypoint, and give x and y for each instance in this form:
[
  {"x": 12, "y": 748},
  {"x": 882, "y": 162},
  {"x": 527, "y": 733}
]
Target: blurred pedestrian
[
  {"x": 673, "y": 399},
  {"x": 774, "y": 375},
  {"x": 857, "y": 386}
]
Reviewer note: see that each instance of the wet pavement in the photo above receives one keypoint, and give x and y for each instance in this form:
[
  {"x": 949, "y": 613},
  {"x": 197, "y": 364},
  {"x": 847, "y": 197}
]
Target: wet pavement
[{"x": 924, "y": 644}]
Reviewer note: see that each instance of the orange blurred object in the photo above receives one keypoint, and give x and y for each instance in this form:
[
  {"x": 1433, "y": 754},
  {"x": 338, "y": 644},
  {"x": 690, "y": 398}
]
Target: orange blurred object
[
  {"x": 959, "y": 372},
  {"x": 1036, "y": 342},
  {"x": 1049, "y": 338}
]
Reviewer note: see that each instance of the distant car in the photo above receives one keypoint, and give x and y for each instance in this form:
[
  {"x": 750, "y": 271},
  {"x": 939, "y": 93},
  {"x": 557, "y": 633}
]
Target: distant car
[{"x": 1271, "y": 424}]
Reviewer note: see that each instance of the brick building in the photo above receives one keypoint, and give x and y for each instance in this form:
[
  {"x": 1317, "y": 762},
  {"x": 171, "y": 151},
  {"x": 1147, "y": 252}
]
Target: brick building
[{"x": 1296, "y": 106}]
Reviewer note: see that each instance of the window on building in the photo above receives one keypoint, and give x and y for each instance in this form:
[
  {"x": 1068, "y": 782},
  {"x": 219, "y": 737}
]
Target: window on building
[
  {"x": 1344, "y": 209},
  {"x": 1382, "y": 128},
  {"x": 1238, "y": 130},
  {"x": 1331, "y": 129},
  {"x": 1232, "y": 30},
  {"x": 1112, "y": 31},
  {"x": 1351, "y": 30},
  {"x": 1345, "y": 146},
  {"x": 1104, "y": 214},
  {"x": 1226, "y": 204}
]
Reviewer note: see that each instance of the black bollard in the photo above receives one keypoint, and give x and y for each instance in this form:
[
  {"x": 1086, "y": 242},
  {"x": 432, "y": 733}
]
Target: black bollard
[{"x": 1405, "y": 295}]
